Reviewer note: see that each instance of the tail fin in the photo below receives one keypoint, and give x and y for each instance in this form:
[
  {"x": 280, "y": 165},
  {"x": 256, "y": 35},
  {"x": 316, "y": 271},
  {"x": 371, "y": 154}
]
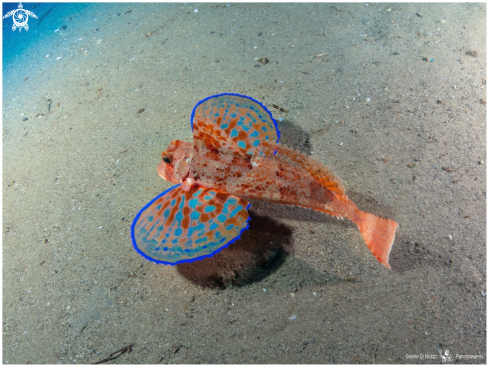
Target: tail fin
[{"x": 378, "y": 233}]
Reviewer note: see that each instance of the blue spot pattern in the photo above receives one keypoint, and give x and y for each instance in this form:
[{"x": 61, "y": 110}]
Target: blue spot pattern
[
  {"x": 245, "y": 120},
  {"x": 213, "y": 221}
]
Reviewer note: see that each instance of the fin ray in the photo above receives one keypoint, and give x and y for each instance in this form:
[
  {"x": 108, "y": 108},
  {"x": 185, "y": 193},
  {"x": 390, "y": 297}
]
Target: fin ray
[
  {"x": 378, "y": 233},
  {"x": 214, "y": 138}
]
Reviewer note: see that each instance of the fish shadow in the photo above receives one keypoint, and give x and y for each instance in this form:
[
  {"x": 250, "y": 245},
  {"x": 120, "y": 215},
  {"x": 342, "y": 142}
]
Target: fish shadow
[
  {"x": 260, "y": 251},
  {"x": 408, "y": 254},
  {"x": 293, "y": 136}
]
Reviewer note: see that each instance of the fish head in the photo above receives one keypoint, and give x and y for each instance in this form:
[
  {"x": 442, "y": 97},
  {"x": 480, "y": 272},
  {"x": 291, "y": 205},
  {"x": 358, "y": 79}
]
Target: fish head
[{"x": 175, "y": 161}]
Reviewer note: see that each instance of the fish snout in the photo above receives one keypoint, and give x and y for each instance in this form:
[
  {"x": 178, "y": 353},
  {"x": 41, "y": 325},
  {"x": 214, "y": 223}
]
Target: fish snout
[{"x": 163, "y": 170}]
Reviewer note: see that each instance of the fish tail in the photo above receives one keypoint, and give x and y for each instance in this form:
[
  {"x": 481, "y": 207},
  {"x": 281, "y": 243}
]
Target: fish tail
[{"x": 378, "y": 233}]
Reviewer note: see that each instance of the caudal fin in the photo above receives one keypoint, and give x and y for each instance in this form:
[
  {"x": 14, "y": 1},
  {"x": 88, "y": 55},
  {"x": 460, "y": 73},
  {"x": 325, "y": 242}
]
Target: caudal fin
[{"x": 378, "y": 233}]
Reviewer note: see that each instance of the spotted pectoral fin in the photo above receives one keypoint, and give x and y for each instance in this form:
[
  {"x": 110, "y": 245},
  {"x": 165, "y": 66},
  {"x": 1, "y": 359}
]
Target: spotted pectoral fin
[
  {"x": 185, "y": 225},
  {"x": 212, "y": 137},
  {"x": 244, "y": 122}
]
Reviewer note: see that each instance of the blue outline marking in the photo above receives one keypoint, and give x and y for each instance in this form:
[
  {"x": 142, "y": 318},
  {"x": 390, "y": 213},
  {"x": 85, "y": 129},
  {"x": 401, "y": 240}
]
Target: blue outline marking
[
  {"x": 238, "y": 95},
  {"x": 166, "y": 248},
  {"x": 134, "y": 244}
]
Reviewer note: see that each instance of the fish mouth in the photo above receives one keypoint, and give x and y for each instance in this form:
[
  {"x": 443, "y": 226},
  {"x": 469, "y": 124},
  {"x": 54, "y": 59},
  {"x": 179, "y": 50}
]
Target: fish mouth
[{"x": 161, "y": 171}]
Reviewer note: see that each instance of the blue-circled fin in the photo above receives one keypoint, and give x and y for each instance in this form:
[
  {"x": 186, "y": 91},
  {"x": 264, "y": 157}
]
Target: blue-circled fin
[
  {"x": 181, "y": 231},
  {"x": 233, "y": 122}
]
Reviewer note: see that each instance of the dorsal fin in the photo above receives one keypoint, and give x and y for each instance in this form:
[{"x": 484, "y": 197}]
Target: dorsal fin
[{"x": 320, "y": 173}]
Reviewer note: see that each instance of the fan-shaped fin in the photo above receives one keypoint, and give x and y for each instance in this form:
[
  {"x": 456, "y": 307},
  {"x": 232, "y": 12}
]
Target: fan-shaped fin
[
  {"x": 244, "y": 120},
  {"x": 213, "y": 137},
  {"x": 185, "y": 225}
]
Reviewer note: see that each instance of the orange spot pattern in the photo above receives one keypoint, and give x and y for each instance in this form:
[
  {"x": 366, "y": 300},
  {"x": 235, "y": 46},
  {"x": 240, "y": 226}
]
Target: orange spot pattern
[{"x": 188, "y": 224}]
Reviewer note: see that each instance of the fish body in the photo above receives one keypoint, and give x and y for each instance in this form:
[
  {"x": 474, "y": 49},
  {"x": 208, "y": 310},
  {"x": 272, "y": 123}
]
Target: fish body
[
  {"x": 236, "y": 157},
  {"x": 263, "y": 178}
]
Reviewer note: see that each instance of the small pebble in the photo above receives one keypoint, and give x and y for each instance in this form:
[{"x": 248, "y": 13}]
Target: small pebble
[
  {"x": 59, "y": 57},
  {"x": 292, "y": 317},
  {"x": 450, "y": 237},
  {"x": 196, "y": 10},
  {"x": 25, "y": 119}
]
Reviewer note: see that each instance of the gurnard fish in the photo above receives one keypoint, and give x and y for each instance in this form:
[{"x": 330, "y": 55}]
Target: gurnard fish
[{"x": 235, "y": 157}]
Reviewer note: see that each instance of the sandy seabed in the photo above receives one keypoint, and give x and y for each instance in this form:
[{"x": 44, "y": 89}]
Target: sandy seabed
[{"x": 391, "y": 97}]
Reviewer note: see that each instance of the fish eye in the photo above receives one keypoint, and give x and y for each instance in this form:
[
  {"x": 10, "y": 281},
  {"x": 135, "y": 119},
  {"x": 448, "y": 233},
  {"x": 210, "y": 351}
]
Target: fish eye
[{"x": 167, "y": 159}]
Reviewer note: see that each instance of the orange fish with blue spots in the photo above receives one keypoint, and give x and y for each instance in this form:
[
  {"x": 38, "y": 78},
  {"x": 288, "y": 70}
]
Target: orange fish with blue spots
[{"x": 235, "y": 157}]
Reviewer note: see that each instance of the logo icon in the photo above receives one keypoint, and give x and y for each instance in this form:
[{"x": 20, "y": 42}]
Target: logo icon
[
  {"x": 445, "y": 357},
  {"x": 20, "y": 17}
]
